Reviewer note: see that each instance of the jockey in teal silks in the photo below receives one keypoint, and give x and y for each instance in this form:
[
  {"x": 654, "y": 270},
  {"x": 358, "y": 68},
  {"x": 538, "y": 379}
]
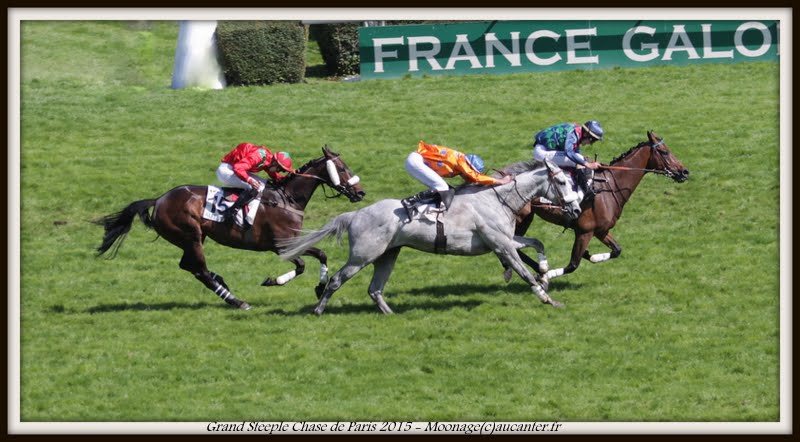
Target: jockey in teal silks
[{"x": 562, "y": 143}]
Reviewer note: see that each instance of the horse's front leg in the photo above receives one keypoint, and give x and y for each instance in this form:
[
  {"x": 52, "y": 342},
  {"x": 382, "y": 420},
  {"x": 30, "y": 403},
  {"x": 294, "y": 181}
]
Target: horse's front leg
[
  {"x": 299, "y": 268},
  {"x": 540, "y": 267},
  {"x": 512, "y": 258},
  {"x": 610, "y": 242},
  {"x": 505, "y": 247}
]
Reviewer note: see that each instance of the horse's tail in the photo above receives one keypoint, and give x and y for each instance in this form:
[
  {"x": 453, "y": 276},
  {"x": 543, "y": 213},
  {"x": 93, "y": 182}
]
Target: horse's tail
[
  {"x": 292, "y": 248},
  {"x": 117, "y": 225}
]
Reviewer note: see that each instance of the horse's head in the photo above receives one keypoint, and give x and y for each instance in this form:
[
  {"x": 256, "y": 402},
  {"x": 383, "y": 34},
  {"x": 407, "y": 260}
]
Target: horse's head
[
  {"x": 340, "y": 178},
  {"x": 661, "y": 158},
  {"x": 560, "y": 190}
]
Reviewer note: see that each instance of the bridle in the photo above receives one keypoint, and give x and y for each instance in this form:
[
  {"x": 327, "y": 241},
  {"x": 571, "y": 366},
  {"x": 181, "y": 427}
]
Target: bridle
[
  {"x": 562, "y": 200},
  {"x": 333, "y": 181},
  {"x": 654, "y": 147}
]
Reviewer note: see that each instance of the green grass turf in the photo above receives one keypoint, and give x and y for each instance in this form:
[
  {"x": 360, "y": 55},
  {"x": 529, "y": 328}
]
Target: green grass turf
[{"x": 682, "y": 327}]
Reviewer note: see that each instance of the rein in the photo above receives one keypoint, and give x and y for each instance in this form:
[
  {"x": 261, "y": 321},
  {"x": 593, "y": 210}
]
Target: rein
[
  {"x": 550, "y": 177},
  {"x": 602, "y": 166},
  {"x": 336, "y": 187},
  {"x": 656, "y": 171}
]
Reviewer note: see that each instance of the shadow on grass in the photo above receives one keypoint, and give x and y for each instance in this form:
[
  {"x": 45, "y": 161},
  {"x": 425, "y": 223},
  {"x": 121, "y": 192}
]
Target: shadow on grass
[
  {"x": 437, "y": 304},
  {"x": 141, "y": 306},
  {"x": 512, "y": 287},
  {"x": 368, "y": 307}
]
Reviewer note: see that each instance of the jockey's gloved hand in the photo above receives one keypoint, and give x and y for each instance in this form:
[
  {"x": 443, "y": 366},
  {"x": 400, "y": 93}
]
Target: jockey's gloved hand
[{"x": 255, "y": 184}]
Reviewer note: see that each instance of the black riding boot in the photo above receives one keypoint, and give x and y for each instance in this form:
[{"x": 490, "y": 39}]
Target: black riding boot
[
  {"x": 447, "y": 197},
  {"x": 410, "y": 202},
  {"x": 244, "y": 199},
  {"x": 583, "y": 181}
]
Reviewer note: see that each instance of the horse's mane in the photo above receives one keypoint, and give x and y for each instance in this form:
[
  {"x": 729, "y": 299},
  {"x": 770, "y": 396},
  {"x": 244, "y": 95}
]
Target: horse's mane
[
  {"x": 643, "y": 143},
  {"x": 512, "y": 169},
  {"x": 314, "y": 162},
  {"x": 521, "y": 166},
  {"x": 308, "y": 165}
]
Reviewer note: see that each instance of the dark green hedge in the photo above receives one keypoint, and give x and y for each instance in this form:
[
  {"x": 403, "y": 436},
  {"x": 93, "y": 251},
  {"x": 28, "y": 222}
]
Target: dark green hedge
[
  {"x": 262, "y": 52},
  {"x": 338, "y": 45}
]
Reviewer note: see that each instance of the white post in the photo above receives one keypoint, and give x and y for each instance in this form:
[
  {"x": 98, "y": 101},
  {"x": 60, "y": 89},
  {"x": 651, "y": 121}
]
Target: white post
[{"x": 196, "y": 61}]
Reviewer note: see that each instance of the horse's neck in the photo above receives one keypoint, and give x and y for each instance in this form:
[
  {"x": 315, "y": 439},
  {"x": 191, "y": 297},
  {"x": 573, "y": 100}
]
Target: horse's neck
[
  {"x": 625, "y": 181},
  {"x": 531, "y": 185},
  {"x": 300, "y": 189}
]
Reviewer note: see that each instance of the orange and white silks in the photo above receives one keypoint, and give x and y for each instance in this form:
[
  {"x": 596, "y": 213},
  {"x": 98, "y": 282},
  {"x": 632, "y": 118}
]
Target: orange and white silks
[{"x": 448, "y": 163}]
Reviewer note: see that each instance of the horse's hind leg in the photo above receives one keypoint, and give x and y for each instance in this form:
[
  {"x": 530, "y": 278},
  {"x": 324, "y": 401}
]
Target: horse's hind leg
[
  {"x": 343, "y": 275},
  {"x": 578, "y": 248},
  {"x": 323, "y": 269},
  {"x": 194, "y": 262},
  {"x": 383, "y": 269},
  {"x": 610, "y": 242}
]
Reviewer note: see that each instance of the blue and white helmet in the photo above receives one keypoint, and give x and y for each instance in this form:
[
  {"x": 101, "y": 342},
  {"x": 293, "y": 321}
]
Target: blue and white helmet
[
  {"x": 595, "y": 129},
  {"x": 476, "y": 162}
]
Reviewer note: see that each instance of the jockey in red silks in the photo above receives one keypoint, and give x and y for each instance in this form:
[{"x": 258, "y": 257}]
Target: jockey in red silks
[
  {"x": 429, "y": 163},
  {"x": 561, "y": 144},
  {"x": 238, "y": 169}
]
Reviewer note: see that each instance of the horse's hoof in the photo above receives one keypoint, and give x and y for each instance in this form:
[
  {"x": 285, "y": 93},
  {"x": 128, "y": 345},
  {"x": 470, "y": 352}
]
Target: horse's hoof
[
  {"x": 507, "y": 275},
  {"x": 318, "y": 312},
  {"x": 244, "y": 306},
  {"x": 556, "y": 304},
  {"x": 268, "y": 282},
  {"x": 384, "y": 308}
]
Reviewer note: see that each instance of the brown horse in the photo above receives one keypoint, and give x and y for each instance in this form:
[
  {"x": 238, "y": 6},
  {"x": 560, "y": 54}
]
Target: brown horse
[
  {"x": 178, "y": 217},
  {"x": 614, "y": 185}
]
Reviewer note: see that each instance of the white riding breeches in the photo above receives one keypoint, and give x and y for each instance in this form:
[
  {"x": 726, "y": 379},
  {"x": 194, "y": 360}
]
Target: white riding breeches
[
  {"x": 415, "y": 165},
  {"x": 559, "y": 159},
  {"x": 556, "y": 157},
  {"x": 226, "y": 176}
]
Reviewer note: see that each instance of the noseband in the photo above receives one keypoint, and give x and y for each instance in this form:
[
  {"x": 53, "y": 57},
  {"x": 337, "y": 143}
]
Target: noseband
[
  {"x": 562, "y": 201},
  {"x": 334, "y": 182}
]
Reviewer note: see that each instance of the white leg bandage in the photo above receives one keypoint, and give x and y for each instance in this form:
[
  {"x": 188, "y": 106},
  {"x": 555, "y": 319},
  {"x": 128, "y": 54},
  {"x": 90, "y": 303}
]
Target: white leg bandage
[
  {"x": 323, "y": 274},
  {"x": 600, "y": 257},
  {"x": 286, "y": 277}
]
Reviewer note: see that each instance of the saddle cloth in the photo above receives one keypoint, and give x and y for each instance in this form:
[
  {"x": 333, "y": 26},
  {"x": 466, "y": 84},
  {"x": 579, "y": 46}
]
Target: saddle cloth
[
  {"x": 426, "y": 211},
  {"x": 216, "y": 203}
]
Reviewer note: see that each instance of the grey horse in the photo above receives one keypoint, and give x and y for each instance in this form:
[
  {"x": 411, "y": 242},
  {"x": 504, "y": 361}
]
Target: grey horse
[{"x": 480, "y": 220}]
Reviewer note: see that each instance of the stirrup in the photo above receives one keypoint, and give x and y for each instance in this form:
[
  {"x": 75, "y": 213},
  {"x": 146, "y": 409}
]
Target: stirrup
[
  {"x": 408, "y": 204},
  {"x": 229, "y": 215}
]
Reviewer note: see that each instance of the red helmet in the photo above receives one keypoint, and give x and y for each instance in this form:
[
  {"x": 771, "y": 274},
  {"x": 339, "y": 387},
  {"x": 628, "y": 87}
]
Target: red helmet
[{"x": 285, "y": 160}]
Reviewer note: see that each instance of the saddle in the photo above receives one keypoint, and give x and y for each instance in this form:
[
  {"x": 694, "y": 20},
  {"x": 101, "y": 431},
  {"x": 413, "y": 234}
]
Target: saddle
[
  {"x": 583, "y": 181},
  {"x": 218, "y": 200},
  {"x": 429, "y": 210}
]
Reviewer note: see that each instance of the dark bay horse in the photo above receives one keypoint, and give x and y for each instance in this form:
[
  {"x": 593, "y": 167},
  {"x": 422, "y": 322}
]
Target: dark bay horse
[
  {"x": 178, "y": 217},
  {"x": 614, "y": 185}
]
